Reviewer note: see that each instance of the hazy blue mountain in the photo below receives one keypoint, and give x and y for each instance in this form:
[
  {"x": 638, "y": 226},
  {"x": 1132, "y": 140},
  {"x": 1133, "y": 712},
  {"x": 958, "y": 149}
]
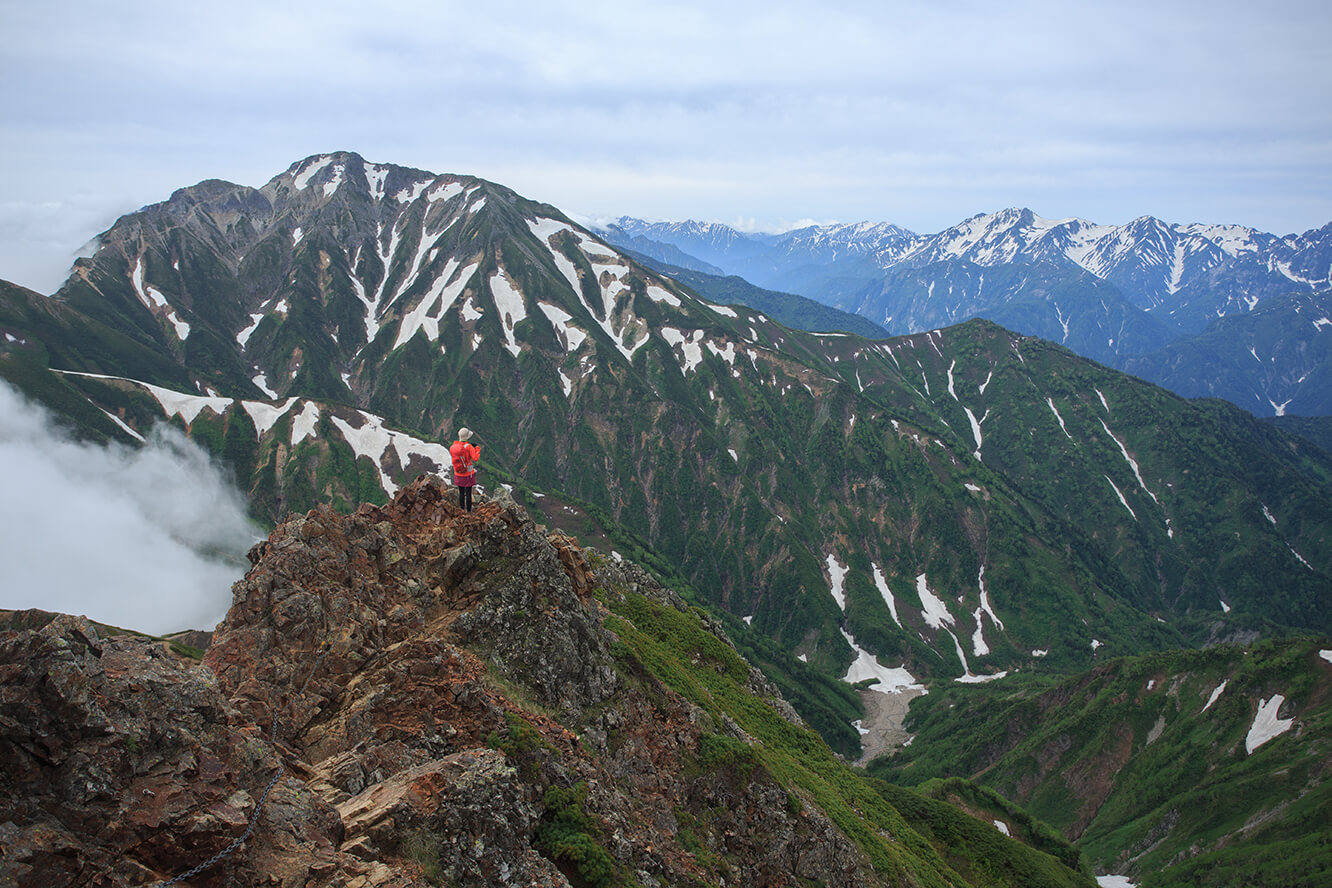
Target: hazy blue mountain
[
  {"x": 1111, "y": 293},
  {"x": 1274, "y": 360},
  {"x": 786, "y": 308}
]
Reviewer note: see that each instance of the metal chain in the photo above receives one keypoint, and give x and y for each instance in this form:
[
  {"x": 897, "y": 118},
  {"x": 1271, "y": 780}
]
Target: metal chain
[{"x": 263, "y": 797}]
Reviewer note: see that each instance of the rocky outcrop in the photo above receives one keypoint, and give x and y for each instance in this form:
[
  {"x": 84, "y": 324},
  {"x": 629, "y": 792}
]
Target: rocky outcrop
[{"x": 408, "y": 695}]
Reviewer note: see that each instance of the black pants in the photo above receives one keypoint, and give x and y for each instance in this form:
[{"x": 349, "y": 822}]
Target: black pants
[{"x": 465, "y": 497}]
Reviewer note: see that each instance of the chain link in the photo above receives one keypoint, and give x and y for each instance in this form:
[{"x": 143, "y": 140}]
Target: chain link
[{"x": 263, "y": 797}]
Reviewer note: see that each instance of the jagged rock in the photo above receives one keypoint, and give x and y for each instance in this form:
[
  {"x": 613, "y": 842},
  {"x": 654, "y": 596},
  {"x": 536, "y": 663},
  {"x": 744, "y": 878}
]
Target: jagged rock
[
  {"x": 469, "y": 807},
  {"x": 434, "y": 691}
]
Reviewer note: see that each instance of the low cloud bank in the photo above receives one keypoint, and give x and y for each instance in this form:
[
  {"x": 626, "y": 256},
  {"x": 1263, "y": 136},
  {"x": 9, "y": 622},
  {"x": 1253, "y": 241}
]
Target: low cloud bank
[{"x": 148, "y": 539}]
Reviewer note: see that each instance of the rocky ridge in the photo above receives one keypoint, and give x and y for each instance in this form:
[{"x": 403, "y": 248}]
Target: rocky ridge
[{"x": 430, "y": 696}]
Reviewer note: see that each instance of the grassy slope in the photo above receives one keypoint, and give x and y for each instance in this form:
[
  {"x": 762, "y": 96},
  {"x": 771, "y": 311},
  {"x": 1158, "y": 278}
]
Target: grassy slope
[
  {"x": 1125, "y": 759},
  {"x": 908, "y": 837}
]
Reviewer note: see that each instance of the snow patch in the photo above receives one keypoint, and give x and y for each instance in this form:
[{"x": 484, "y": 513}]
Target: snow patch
[
  {"x": 407, "y": 195},
  {"x": 1002, "y": 827},
  {"x": 1216, "y": 692},
  {"x": 1267, "y": 513},
  {"x": 562, "y": 321},
  {"x": 374, "y": 177},
  {"x": 1326, "y": 655},
  {"x": 660, "y": 294},
  {"x": 882, "y": 585},
  {"x": 303, "y": 178},
  {"x": 1225, "y": 608},
  {"x": 891, "y": 681},
  {"x": 265, "y": 416},
  {"x": 935, "y": 611},
  {"x": 985, "y": 600},
  {"x": 1040, "y": 653},
  {"x": 261, "y": 381},
  {"x": 1266, "y": 725},
  {"x": 244, "y": 336},
  {"x": 978, "y": 646},
  {"x": 1133, "y": 464},
  {"x": 509, "y": 304},
  {"x": 1055, "y": 411},
  {"x": 444, "y": 192},
  {"x": 303, "y": 426},
  {"x": 333, "y": 184},
  {"x": 1120, "y": 494},
  {"x": 187, "y": 407},
  {"x": 150, "y": 296},
  {"x": 976, "y": 429},
  {"x": 837, "y": 578},
  {"x": 444, "y": 291},
  {"x": 372, "y": 440},
  {"x": 690, "y": 346}
]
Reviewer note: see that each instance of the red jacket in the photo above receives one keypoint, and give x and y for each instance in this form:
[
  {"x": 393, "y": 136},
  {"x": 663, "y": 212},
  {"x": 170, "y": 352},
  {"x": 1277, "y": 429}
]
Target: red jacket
[{"x": 463, "y": 456}]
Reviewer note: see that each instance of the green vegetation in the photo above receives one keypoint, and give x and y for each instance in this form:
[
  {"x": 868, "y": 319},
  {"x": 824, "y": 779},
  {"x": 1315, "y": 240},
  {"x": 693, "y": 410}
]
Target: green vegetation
[
  {"x": 1144, "y": 759},
  {"x": 571, "y": 837},
  {"x": 675, "y": 648}
]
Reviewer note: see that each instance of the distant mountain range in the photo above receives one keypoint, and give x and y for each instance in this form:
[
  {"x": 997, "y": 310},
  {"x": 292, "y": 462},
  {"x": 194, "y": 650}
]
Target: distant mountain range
[{"x": 1111, "y": 293}]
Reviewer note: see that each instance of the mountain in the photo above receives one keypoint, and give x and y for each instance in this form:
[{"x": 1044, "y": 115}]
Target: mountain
[
  {"x": 1193, "y": 768},
  {"x": 955, "y": 505},
  {"x": 1317, "y": 429},
  {"x": 1185, "y": 275},
  {"x": 1274, "y": 360},
  {"x": 1111, "y": 293},
  {"x": 413, "y": 695},
  {"x": 785, "y": 308}
]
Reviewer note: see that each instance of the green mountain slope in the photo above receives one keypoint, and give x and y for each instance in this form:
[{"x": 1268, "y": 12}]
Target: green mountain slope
[
  {"x": 1182, "y": 768},
  {"x": 1317, "y": 429}
]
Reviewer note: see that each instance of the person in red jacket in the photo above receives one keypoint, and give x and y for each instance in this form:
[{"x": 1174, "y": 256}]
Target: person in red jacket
[{"x": 464, "y": 472}]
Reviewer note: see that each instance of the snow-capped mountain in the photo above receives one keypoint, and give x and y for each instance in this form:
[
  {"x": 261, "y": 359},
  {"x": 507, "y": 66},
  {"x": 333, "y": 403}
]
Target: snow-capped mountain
[
  {"x": 1109, "y": 292},
  {"x": 1160, "y": 267}
]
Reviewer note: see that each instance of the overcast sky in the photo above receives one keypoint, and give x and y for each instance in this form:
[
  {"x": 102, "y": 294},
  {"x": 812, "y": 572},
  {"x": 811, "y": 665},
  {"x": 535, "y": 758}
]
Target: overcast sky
[{"x": 755, "y": 114}]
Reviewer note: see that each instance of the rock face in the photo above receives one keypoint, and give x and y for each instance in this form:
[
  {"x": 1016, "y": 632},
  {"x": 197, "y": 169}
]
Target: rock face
[{"x": 409, "y": 695}]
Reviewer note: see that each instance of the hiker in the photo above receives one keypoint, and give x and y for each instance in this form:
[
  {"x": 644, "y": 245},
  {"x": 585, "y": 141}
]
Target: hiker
[{"x": 464, "y": 472}]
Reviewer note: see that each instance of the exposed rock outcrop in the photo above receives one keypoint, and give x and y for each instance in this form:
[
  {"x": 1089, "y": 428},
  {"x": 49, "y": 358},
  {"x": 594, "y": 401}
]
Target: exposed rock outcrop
[{"x": 428, "y": 697}]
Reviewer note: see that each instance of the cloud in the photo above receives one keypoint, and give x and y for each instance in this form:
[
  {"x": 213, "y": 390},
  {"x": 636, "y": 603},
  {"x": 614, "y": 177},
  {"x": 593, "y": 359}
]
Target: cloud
[{"x": 148, "y": 539}]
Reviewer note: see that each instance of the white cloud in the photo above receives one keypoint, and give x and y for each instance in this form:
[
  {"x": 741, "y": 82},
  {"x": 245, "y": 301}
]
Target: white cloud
[{"x": 148, "y": 539}]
